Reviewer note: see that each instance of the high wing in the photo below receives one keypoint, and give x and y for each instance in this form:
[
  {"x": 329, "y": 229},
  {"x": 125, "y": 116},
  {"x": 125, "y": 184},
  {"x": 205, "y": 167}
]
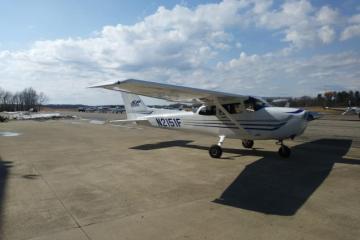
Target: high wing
[{"x": 170, "y": 92}]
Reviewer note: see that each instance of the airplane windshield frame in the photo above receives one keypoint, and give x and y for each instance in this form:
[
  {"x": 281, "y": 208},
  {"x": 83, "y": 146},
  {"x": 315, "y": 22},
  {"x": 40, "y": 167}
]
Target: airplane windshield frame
[
  {"x": 255, "y": 104},
  {"x": 207, "y": 110}
]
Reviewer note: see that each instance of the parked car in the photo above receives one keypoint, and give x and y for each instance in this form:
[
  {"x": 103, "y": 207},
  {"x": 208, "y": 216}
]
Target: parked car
[
  {"x": 102, "y": 109},
  {"x": 117, "y": 110},
  {"x": 90, "y": 109},
  {"x": 81, "y": 109}
]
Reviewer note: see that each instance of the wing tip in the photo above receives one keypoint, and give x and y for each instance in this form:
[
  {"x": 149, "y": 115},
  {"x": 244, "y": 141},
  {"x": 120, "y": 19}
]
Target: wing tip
[
  {"x": 109, "y": 83},
  {"x": 101, "y": 84}
]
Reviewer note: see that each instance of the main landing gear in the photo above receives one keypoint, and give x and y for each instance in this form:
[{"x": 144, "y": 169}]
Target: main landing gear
[{"x": 215, "y": 151}]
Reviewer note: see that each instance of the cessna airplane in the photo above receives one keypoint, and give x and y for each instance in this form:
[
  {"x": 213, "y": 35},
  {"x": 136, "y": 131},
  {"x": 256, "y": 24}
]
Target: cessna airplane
[
  {"x": 222, "y": 114},
  {"x": 353, "y": 110}
]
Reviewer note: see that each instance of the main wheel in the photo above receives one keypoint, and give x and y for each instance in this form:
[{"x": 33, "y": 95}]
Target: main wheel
[
  {"x": 215, "y": 151},
  {"x": 284, "y": 151},
  {"x": 248, "y": 143}
]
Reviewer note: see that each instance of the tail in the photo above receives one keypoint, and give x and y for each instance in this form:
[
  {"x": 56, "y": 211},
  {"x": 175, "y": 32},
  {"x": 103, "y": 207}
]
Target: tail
[{"x": 134, "y": 106}]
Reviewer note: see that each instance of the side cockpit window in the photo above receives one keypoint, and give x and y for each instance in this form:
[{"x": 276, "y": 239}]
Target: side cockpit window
[
  {"x": 207, "y": 110},
  {"x": 233, "y": 108},
  {"x": 251, "y": 104},
  {"x": 254, "y": 104}
]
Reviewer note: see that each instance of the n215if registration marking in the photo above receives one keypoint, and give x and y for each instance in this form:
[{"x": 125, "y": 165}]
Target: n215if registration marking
[{"x": 168, "y": 122}]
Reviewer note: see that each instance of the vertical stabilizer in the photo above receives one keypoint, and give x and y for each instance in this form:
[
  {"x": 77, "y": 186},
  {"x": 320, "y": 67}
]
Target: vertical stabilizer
[{"x": 134, "y": 106}]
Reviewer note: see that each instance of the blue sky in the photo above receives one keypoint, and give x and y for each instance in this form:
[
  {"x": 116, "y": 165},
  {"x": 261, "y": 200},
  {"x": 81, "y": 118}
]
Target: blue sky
[
  {"x": 267, "y": 48},
  {"x": 24, "y": 22}
]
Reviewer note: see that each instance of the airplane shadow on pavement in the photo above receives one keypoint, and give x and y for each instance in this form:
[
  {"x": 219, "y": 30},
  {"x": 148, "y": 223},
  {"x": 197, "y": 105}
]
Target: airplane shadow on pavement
[{"x": 272, "y": 185}]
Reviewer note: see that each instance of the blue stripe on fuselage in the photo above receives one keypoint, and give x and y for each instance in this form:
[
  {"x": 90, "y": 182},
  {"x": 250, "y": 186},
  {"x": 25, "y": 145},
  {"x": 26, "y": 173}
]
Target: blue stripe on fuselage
[
  {"x": 246, "y": 126},
  {"x": 296, "y": 111}
]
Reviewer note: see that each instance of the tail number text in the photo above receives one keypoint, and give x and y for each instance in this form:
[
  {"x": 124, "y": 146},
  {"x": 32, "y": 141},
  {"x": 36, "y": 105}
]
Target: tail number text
[{"x": 168, "y": 122}]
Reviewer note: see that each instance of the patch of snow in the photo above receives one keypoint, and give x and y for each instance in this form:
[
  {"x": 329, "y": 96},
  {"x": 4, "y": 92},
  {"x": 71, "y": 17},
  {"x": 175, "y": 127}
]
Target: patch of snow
[
  {"x": 41, "y": 115},
  {"x": 97, "y": 122},
  {"x": 9, "y": 134},
  {"x": 77, "y": 123},
  {"x": 32, "y": 116}
]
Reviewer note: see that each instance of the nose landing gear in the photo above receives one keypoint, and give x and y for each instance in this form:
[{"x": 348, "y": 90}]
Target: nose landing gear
[
  {"x": 215, "y": 151},
  {"x": 284, "y": 151},
  {"x": 247, "y": 143}
]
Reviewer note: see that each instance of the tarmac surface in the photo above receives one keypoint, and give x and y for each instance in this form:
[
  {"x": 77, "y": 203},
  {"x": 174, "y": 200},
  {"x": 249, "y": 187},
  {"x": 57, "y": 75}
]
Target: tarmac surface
[{"x": 83, "y": 179}]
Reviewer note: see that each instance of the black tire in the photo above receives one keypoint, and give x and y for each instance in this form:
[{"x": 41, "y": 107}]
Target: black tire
[
  {"x": 215, "y": 151},
  {"x": 284, "y": 151},
  {"x": 248, "y": 143}
]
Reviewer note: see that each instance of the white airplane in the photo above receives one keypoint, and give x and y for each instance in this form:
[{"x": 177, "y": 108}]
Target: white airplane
[
  {"x": 222, "y": 114},
  {"x": 352, "y": 110}
]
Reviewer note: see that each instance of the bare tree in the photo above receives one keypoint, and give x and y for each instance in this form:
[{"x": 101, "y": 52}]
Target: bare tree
[
  {"x": 20, "y": 101},
  {"x": 16, "y": 102},
  {"x": 30, "y": 98},
  {"x": 42, "y": 98},
  {"x": 6, "y": 100},
  {"x": 2, "y": 93}
]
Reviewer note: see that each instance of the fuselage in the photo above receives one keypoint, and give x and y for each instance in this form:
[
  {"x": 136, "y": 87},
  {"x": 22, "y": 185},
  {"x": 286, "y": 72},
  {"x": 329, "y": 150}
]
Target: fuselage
[{"x": 265, "y": 123}]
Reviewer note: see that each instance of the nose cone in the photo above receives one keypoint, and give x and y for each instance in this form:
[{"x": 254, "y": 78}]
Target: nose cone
[
  {"x": 291, "y": 112},
  {"x": 286, "y": 112},
  {"x": 294, "y": 111},
  {"x": 301, "y": 114},
  {"x": 301, "y": 118},
  {"x": 295, "y": 119},
  {"x": 298, "y": 120}
]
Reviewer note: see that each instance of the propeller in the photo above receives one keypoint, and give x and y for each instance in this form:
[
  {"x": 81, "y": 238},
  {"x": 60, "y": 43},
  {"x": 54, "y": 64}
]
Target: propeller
[{"x": 310, "y": 116}]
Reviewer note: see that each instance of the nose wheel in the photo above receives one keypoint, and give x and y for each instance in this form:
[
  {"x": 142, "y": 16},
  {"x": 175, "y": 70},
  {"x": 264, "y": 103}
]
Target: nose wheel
[
  {"x": 247, "y": 143},
  {"x": 284, "y": 151}
]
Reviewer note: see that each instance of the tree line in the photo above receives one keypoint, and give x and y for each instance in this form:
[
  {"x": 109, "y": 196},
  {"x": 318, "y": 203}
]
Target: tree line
[
  {"x": 25, "y": 100},
  {"x": 328, "y": 99},
  {"x": 29, "y": 99}
]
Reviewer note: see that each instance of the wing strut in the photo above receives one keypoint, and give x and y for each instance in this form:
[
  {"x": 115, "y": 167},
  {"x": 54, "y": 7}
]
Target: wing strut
[{"x": 228, "y": 115}]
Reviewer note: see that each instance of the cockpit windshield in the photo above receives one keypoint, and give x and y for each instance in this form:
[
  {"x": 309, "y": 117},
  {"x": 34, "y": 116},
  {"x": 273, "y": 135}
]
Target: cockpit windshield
[{"x": 255, "y": 104}]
